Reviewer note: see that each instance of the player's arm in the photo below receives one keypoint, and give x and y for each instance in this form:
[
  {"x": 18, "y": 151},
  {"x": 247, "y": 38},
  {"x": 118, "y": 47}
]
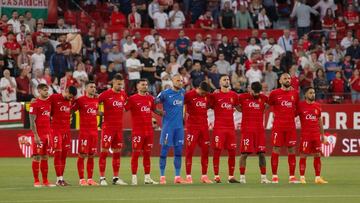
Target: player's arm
[
  {"x": 238, "y": 108},
  {"x": 158, "y": 112},
  {"x": 322, "y": 130},
  {"x": 32, "y": 118}
]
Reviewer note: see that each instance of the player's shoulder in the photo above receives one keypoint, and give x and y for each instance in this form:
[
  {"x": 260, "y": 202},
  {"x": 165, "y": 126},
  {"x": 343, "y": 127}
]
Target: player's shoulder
[
  {"x": 263, "y": 96},
  {"x": 244, "y": 95}
]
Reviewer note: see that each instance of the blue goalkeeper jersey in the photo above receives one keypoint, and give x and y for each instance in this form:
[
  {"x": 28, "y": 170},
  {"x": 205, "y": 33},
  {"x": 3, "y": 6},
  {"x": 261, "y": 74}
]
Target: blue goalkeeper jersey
[{"x": 173, "y": 106}]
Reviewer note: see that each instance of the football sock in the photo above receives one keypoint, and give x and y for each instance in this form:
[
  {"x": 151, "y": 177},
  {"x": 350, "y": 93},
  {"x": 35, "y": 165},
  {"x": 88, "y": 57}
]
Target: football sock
[
  {"x": 188, "y": 159},
  {"x": 80, "y": 167},
  {"x": 242, "y": 170},
  {"x": 231, "y": 161},
  {"x": 292, "y": 164},
  {"x": 302, "y": 166},
  {"x": 204, "y": 159},
  {"x": 317, "y": 166},
  {"x": 102, "y": 163},
  {"x": 262, "y": 170},
  {"x": 146, "y": 161},
  {"x": 134, "y": 162},
  {"x": 163, "y": 155},
  {"x": 90, "y": 167},
  {"x": 58, "y": 163},
  {"x": 216, "y": 161},
  {"x": 63, "y": 160},
  {"x": 116, "y": 163},
  {"x": 44, "y": 167},
  {"x": 35, "y": 169},
  {"x": 177, "y": 159},
  {"x": 274, "y": 163}
]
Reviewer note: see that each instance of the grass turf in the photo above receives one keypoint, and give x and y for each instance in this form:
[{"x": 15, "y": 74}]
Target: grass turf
[{"x": 341, "y": 172}]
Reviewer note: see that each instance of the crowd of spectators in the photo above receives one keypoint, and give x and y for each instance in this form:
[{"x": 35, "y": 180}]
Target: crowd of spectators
[{"x": 30, "y": 54}]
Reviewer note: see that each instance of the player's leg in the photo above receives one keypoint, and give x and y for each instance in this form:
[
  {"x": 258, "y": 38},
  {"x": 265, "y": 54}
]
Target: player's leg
[
  {"x": 304, "y": 150},
  {"x": 65, "y": 148},
  {"x": 316, "y": 149},
  {"x": 260, "y": 148},
  {"x": 262, "y": 166},
  {"x": 204, "y": 145},
  {"x": 217, "y": 144},
  {"x": 44, "y": 166},
  {"x": 246, "y": 148},
  {"x": 278, "y": 141},
  {"x": 137, "y": 146},
  {"x": 291, "y": 142},
  {"x": 191, "y": 141},
  {"x": 83, "y": 150},
  {"x": 243, "y": 158},
  {"x": 147, "y": 147},
  {"x": 93, "y": 142},
  {"x": 106, "y": 140},
  {"x": 231, "y": 147},
  {"x": 116, "y": 145},
  {"x": 35, "y": 165},
  {"x": 178, "y": 143},
  {"x": 56, "y": 144},
  {"x": 162, "y": 162}
]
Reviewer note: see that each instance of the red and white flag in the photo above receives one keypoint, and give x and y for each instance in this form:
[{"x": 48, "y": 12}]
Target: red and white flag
[
  {"x": 328, "y": 147},
  {"x": 25, "y": 144}
]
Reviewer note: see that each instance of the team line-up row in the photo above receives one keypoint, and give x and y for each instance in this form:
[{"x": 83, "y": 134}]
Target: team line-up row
[{"x": 50, "y": 116}]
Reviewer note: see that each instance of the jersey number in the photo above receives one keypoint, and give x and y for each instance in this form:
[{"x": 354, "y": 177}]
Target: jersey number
[
  {"x": 137, "y": 139},
  {"x": 107, "y": 138},
  {"x": 246, "y": 142}
]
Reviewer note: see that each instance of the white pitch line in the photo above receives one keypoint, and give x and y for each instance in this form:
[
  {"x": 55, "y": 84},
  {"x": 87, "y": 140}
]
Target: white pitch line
[{"x": 187, "y": 198}]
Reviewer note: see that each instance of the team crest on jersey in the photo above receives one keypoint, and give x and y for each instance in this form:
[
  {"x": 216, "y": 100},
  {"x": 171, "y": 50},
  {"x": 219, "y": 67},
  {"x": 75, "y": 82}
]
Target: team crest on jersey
[
  {"x": 231, "y": 100},
  {"x": 316, "y": 111},
  {"x": 25, "y": 142},
  {"x": 149, "y": 103},
  {"x": 122, "y": 97},
  {"x": 292, "y": 98},
  {"x": 328, "y": 147}
]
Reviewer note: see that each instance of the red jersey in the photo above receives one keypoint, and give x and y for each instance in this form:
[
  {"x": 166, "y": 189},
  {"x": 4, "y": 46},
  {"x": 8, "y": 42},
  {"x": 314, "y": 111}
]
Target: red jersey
[
  {"x": 141, "y": 108},
  {"x": 88, "y": 108},
  {"x": 11, "y": 45},
  {"x": 328, "y": 22},
  {"x": 309, "y": 117},
  {"x": 223, "y": 105},
  {"x": 60, "y": 112},
  {"x": 196, "y": 108},
  {"x": 113, "y": 108},
  {"x": 355, "y": 85},
  {"x": 41, "y": 109},
  {"x": 118, "y": 19},
  {"x": 205, "y": 21},
  {"x": 350, "y": 16},
  {"x": 284, "y": 103},
  {"x": 338, "y": 85},
  {"x": 252, "y": 112}
]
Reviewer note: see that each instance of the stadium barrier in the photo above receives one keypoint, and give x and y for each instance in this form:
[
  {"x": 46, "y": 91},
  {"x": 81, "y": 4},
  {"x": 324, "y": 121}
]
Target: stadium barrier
[{"x": 17, "y": 143}]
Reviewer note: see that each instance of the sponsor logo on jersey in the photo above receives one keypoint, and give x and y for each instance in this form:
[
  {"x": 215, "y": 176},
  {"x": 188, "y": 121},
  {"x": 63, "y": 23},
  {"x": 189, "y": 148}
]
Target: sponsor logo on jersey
[
  {"x": 145, "y": 109},
  {"x": 177, "y": 102},
  {"x": 287, "y": 104},
  {"x": 254, "y": 105},
  {"x": 118, "y": 104},
  {"x": 65, "y": 109},
  {"x": 91, "y": 111},
  {"x": 201, "y": 104},
  {"x": 46, "y": 113},
  {"x": 310, "y": 117},
  {"x": 226, "y": 106}
]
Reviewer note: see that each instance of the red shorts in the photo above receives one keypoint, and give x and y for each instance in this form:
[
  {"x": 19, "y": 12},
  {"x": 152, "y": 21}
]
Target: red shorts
[
  {"x": 198, "y": 136},
  {"x": 309, "y": 144},
  {"x": 60, "y": 139},
  {"x": 88, "y": 142},
  {"x": 252, "y": 142},
  {"x": 142, "y": 142},
  {"x": 283, "y": 137},
  {"x": 224, "y": 139},
  {"x": 43, "y": 148},
  {"x": 111, "y": 138}
]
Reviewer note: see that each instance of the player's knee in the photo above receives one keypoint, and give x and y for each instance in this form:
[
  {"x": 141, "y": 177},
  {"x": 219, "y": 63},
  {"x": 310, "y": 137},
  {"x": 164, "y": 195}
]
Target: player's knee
[
  {"x": 91, "y": 156},
  {"x": 117, "y": 150},
  {"x": 261, "y": 155},
  {"x": 317, "y": 154},
  {"x": 291, "y": 150},
  {"x": 83, "y": 155},
  {"x": 44, "y": 157},
  {"x": 105, "y": 150},
  {"x": 36, "y": 157},
  {"x": 244, "y": 156},
  {"x": 276, "y": 149}
]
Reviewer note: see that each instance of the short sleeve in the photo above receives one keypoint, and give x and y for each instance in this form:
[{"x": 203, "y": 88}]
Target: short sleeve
[
  {"x": 271, "y": 100},
  {"x": 211, "y": 102},
  {"x": 187, "y": 97},
  {"x": 236, "y": 99},
  {"x": 33, "y": 108},
  {"x": 102, "y": 97},
  {"x": 160, "y": 97},
  {"x": 75, "y": 105},
  {"x": 153, "y": 105}
]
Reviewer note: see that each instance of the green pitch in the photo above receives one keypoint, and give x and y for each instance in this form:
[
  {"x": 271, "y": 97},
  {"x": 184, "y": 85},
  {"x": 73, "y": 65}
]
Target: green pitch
[{"x": 342, "y": 174}]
